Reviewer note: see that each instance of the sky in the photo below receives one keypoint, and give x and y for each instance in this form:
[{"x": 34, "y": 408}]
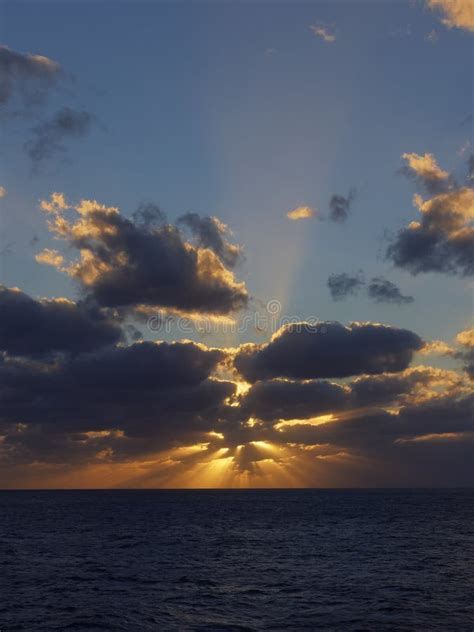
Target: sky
[{"x": 236, "y": 244}]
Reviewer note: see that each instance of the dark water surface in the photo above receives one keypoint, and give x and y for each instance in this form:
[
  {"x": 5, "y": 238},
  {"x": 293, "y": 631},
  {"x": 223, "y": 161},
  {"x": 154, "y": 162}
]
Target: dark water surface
[{"x": 237, "y": 560}]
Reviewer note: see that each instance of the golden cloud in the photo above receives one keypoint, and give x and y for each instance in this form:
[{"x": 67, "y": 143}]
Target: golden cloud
[
  {"x": 457, "y": 13},
  {"x": 425, "y": 166},
  {"x": 301, "y": 212},
  {"x": 466, "y": 337}
]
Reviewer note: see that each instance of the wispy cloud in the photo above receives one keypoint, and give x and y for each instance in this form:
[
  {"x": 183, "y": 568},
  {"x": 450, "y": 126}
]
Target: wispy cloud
[
  {"x": 49, "y": 136},
  {"x": 379, "y": 289},
  {"x": 323, "y": 32},
  {"x": 26, "y": 76},
  {"x": 340, "y": 206},
  {"x": 432, "y": 37}
]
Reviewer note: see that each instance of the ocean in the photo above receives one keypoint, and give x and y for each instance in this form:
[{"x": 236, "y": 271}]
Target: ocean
[{"x": 342, "y": 560}]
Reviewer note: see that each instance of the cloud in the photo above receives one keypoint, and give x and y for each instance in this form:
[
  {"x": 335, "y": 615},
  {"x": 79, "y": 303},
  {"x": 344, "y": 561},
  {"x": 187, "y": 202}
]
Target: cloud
[
  {"x": 3, "y": 192},
  {"x": 343, "y": 285},
  {"x": 411, "y": 386},
  {"x": 282, "y": 399},
  {"x": 134, "y": 263},
  {"x": 301, "y": 212},
  {"x": 55, "y": 204},
  {"x": 27, "y": 76},
  {"x": 390, "y": 422},
  {"x": 30, "y": 327},
  {"x": 436, "y": 347},
  {"x": 383, "y": 291},
  {"x": 457, "y": 13},
  {"x": 162, "y": 403},
  {"x": 442, "y": 240},
  {"x": 211, "y": 233},
  {"x": 462, "y": 151},
  {"x": 304, "y": 351},
  {"x": 25, "y": 82},
  {"x": 323, "y": 33},
  {"x": 426, "y": 170},
  {"x": 141, "y": 398},
  {"x": 148, "y": 216},
  {"x": 470, "y": 166},
  {"x": 379, "y": 433},
  {"x": 432, "y": 37},
  {"x": 49, "y": 136},
  {"x": 378, "y": 289},
  {"x": 274, "y": 400},
  {"x": 51, "y": 258},
  {"x": 466, "y": 339},
  {"x": 340, "y": 207}
]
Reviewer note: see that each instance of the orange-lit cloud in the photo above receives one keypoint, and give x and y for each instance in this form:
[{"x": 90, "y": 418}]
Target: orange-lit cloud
[
  {"x": 442, "y": 239},
  {"x": 143, "y": 262},
  {"x": 301, "y": 212},
  {"x": 456, "y": 13},
  {"x": 425, "y": 166},
  {"x": 466, "y": 337}
]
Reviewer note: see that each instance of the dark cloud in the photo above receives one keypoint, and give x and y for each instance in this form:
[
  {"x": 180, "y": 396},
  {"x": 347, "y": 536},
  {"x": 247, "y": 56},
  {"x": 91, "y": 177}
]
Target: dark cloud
[
  {"x": 340, "y": 207},
  {"x": 25, "y": 81},
  {"x": 466, "y": 340},
  {"x": 27, "y": 76},
  {"x": 274, "y": 400},
  {"x": 423, "y": 444},
  {"x": 302, "y": 351},
  {"x": 468, "y": 358},
  {"x": 343, "y": 285},
  {"x": 211, "y": 233},
  {"x": 442, "y": 240},
  {"x": 428, "y": 425},
  {"x": 378, "y": 289},
  {"x": 271, "y": 400},
  {"x": 49, "y": 136},
  {"x": 395, "y": 389},
  {"x": 147, "y": 389},
  {"x": 29, "y": 327},
  {"x": 123, "y": 404},
  {"x": 130, "y": 263},
  {"x": 383, "y": 291},
  {"x": 424, "y": 248},
  {"x": 149, "y": 215}
]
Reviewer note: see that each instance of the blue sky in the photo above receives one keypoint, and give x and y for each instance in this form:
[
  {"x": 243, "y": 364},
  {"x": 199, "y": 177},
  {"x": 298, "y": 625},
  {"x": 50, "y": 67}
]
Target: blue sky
[{"x": 238, "y": 110}]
